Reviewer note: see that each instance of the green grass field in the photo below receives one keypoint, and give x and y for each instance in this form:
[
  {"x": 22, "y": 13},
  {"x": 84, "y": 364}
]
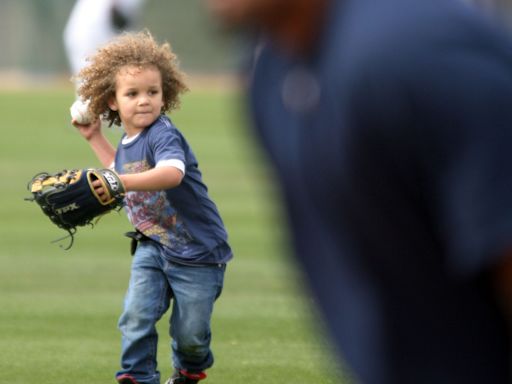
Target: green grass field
[{"x": 59, "y": 309}]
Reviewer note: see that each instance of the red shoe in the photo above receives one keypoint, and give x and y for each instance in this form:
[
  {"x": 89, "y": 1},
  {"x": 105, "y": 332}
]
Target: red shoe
[
  {"x": 126, "y": 379},
  {"x": 184, "y": 377}
]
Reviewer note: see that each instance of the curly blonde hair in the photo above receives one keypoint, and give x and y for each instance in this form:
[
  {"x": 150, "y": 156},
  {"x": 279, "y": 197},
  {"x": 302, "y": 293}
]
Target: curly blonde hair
[{"x": 98, "y": 79}]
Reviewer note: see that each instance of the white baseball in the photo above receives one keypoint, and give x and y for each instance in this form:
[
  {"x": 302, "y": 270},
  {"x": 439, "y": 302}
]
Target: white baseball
[{"x": 80, "y": 112}]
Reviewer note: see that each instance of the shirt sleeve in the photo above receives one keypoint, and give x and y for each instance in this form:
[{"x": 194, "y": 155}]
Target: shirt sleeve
[
  {"x": 167, "y": 147},
  {"x": 172, "y": 163}
]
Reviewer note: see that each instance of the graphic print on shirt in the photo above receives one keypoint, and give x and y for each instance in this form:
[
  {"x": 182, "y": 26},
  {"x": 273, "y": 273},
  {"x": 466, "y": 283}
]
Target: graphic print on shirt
[{"x": 153, "y": 214}]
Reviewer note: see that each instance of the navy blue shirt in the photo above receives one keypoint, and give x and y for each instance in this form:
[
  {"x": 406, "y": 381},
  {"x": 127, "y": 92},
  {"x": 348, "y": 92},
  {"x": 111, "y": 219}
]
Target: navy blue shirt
[
  {"x": 183, "y": 220},
  {"x": 393, "y": 145}
]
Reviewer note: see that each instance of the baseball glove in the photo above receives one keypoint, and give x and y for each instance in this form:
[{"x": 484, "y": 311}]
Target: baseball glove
[{"x": 70, "y": 199}]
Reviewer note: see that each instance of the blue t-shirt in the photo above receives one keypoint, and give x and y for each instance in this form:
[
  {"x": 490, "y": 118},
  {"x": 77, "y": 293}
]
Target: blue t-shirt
[
  {"x": 183, "y": 220},
  {"x": 393, "y": 145}
]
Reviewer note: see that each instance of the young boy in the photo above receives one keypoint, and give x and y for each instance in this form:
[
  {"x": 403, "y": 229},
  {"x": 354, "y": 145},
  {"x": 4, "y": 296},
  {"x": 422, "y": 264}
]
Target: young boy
[{"x": 182, "y": 249}]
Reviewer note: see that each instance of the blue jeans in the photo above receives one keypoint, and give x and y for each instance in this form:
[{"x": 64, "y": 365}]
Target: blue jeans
[{"x": 154, "y": 281}]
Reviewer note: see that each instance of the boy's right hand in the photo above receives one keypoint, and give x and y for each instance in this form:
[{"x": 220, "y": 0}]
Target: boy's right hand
[{"x": 88, "y": 131}]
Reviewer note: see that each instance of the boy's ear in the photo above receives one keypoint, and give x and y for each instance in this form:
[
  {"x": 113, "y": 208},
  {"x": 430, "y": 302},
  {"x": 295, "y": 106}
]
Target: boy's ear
[{"x": 112, "y": 104}]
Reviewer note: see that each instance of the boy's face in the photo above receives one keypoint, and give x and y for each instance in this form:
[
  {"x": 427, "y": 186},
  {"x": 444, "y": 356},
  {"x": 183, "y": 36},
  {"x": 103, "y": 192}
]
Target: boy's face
[{"x": 138, "y": 98}]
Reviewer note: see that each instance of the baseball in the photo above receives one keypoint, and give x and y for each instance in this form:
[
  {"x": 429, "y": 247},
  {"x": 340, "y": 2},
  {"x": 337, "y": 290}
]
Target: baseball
[{"x": 80, "y": 112}]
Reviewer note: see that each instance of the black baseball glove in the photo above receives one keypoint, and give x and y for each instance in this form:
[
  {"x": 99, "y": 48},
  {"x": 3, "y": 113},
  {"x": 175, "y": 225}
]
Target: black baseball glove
[{"x": 70, "y": 199}]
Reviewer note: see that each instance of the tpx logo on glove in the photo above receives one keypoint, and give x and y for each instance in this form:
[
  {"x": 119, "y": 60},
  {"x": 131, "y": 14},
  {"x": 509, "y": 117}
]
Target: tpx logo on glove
[{"x": 67, "y": 208}]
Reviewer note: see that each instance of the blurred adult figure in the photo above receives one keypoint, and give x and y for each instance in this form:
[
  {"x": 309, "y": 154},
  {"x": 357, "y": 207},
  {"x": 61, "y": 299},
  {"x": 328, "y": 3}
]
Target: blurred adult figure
[
  {"x": 390, "y": 126},
  {"x": 93, "y": 23}
]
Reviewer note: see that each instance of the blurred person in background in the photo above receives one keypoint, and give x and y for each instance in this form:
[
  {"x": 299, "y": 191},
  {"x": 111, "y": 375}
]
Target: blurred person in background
[
  {"x": 389, "y": 124},
  {"x": 93, "y": 23}
]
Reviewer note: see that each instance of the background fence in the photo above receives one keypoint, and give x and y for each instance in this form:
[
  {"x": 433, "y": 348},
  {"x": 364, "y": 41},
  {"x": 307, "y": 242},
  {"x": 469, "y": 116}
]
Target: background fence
[{"x": 31, "y": 35}]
